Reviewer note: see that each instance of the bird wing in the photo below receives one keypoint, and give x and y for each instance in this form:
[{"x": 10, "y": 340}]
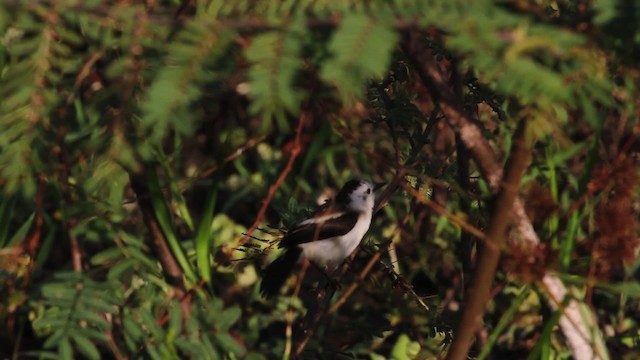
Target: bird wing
[{"x": 320, "y": 228}]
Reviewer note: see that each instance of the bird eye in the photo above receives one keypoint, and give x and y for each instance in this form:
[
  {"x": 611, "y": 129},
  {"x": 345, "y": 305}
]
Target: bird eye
[{"x": 368, "y": 191}]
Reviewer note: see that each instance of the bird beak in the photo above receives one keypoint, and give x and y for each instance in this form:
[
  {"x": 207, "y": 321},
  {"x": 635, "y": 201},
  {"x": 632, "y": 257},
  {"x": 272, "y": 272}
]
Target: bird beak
[{"x": 377, "y": 186}]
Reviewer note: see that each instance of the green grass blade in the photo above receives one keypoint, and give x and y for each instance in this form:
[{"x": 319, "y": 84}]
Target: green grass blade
[
  {"x": 6, "y": 213},
  {"x": 204, "y": 237},
  {"x": 164, "y": 220},
  {"x": 592, "y": 158},
  {"x": 541, "y": 350},
  {"x": 570, "y": 238},
  {"x": 504, "y": 321},
  {"x": 176, "y": 193},
  {"x": 553, "y": 183}
]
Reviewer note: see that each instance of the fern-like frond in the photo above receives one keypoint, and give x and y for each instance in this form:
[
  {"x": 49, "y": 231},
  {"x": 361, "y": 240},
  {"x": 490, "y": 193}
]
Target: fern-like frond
[
  {"x": 275, "y": 64},
  {"x": 361, "y": 49},
  {"x": 190, "y": 63}
]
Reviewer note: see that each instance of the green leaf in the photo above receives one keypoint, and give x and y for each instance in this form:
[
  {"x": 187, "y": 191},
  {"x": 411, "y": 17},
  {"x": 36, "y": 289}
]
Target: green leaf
[
  {"x": 405, "y": 349},
  {"x": 55, "y": 339},
  {"x": 605, "y": 11},
  {"x": 93, "y": 318},
  {"x": 143, "y": 258},
  {"x": 58, "y": 291},
  {"x": 361, "y": 49},
  {"x": 163, "y": 216},
  {"x": 85, "y": 346},
  {"x": 151, "y": 324},
  {"x": 228, "y": 317},
  {"x": 175, "y": 318},
  {"x": 505, "y": 320},
  {"x": 22, "y": 230},
  {"x": 275, "y": 64},
  {"x": 6, "y": 213},
  {"x": 117, "y": 271},
  {"x": 228, "y": 343},
  {"x": 204, "y": 237},
  {"x": 133, "y": 330},
  {"x": 65, "y": 350},
  {"x": 176, "y": 86},
  {"x": 106, "y": 256}
]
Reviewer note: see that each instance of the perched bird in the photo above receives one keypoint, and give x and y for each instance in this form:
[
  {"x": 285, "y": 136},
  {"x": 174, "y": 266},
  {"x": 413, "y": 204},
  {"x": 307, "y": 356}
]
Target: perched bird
[{"x": 326, "y": 237}]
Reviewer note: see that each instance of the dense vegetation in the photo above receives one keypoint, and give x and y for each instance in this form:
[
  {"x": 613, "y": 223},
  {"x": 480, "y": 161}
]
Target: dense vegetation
[{"x": 151, "y": 152}]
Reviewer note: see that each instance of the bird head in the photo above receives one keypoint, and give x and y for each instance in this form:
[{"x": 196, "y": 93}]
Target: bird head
[{"x": 358, "y": 195}]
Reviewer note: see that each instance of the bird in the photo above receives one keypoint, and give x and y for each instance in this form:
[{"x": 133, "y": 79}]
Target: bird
[{"x": 326, "y": 237}]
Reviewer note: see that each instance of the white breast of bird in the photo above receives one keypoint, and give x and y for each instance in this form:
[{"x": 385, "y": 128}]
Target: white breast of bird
[{"x": 332, "y": 251}]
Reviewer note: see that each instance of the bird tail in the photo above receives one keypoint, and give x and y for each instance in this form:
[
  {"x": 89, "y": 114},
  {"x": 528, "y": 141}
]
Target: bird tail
[{"x": 275, "y": 275}]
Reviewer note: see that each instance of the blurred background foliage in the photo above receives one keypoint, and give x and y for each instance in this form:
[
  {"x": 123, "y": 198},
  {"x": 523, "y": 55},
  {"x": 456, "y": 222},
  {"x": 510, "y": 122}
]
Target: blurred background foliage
[{"x": 139, "y": 141}]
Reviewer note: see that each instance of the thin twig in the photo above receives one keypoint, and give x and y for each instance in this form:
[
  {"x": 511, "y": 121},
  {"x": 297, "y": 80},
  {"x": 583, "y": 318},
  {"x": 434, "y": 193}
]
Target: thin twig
[
  {"x": 234, "y": 155},
  {"x": 76, "y": 254},
  {"x": 479, "y": 149},
  {"x": 458, "y": 220},
  {"x": 296, "y": 149},
  {"x": 289, "y": 329},
  {"x": 183, "y": 184},
  {"x": 32, "y": 243},
  {"x": 354, "y": 285}
]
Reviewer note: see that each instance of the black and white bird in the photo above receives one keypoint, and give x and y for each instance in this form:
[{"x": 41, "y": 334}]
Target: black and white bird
[{"x": 325, "y": 238}]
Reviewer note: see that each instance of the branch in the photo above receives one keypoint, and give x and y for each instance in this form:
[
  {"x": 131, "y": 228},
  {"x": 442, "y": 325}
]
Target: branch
[
  {"x": 427, "y": 69},
  {"x": 296, "y": 149},
  {"x": 490, "y": 254},
  {"x": 32, "y": 242},
  {"x": 234, "y": 155},
  {"x": 441, "y": 210},
  {"x": 354, "y": 285},
  {"x": 479, "y": 149},
  {"x": 290, "y": 315}
]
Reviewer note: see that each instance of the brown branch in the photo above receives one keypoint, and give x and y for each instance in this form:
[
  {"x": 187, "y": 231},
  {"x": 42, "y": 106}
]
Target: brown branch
[
  {"x": 315, "y": 312},
  {"x": 354, "y": 285},
  {"x": 67, "y": 192},
  {"x": 76, "y": 253},
  {"x": 480, "y": 151},
  {"x": 31, "y": 243},
  {"x": 490, "y": 254},
  {"x": 466, "y": 240},
  {"x": 479, "y": 148},
  {"x": 458, "y": 220},
  {"x": 296, "y": 149},
  {"x": 289, "y": 329}
]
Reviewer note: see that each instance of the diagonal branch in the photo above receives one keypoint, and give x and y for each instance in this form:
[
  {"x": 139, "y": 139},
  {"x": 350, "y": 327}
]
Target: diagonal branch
[
  {"x": 490, "y": 254},
  {"x": 296, "y": 149},
  {"x": 480, "y": 151}
]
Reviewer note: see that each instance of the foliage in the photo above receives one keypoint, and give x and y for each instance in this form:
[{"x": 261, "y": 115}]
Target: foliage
[{"x": 140, "y": 140}]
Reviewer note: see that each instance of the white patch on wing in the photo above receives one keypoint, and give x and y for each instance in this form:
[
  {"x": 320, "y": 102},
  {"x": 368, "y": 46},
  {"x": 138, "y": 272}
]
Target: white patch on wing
[
  {"x": 333, "y": 251},
  {"x": 321, "y": 219}
]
